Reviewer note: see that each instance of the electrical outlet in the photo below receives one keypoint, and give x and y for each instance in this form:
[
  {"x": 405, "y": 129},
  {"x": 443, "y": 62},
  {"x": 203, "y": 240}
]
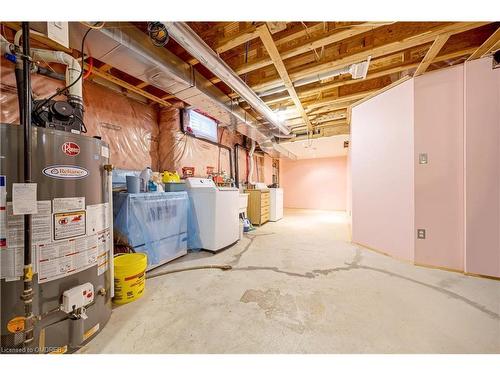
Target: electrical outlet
[
  {"x": 421, "y": 234},
  {"x": 422, "y": 158}
]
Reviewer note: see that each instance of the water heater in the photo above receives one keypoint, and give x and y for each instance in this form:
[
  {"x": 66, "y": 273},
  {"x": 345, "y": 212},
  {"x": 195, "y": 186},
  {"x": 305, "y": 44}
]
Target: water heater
[{"x": 71, "y": 240}]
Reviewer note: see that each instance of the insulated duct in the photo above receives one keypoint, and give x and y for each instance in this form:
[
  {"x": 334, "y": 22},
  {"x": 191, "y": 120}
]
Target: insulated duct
[
  {"x": 192, "y": 43},
  {"x": 128, "y": 49},
  {"x": 357, "y": 71},
  {"x": 252, "y": 164}
]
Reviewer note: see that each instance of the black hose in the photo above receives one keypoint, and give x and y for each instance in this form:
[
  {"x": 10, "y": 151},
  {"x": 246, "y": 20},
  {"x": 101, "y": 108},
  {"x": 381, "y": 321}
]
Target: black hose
[
  {"x": 20, "y": 91},
  {"x": 224, "y": 267}
]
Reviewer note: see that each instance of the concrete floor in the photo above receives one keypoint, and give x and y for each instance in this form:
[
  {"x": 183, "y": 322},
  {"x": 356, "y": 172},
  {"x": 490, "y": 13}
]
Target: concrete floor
[{"x": 299, "y": 286}]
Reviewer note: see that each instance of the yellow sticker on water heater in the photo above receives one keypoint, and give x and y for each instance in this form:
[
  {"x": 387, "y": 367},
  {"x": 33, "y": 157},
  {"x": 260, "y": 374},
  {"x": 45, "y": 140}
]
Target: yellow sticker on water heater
[
  {"x": 59, "y": 350},
  {"x": 91, "y": 332},
  {"x": 16, "y": 324}
]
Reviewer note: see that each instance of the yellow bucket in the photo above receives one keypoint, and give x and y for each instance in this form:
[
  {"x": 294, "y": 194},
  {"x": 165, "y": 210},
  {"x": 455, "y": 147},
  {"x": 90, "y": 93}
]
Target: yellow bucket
[{"x": 130, "y": 277}]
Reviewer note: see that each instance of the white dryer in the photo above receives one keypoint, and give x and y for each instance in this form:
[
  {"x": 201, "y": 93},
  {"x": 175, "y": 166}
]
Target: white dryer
[
  {"x": 276, "y": 201},
  {"x": 215, "y": 210}
]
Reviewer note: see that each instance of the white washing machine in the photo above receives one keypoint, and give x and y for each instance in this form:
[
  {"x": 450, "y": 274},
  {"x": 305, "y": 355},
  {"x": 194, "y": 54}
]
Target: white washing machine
[
  {"x": 276, "y": 202},
  {"x": 215, "y": 211}
]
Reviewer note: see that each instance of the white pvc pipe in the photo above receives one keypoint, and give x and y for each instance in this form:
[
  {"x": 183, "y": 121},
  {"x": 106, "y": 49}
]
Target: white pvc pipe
[
  {"x": 73, "y": 68},
  {"x": 5, "y": 45},
  {"x": 17, "y": 37},
  {"x": 250, "y": 173}
]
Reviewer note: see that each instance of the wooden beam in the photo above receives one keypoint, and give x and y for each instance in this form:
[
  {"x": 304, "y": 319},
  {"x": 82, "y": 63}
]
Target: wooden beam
[
  {"x": 401, "y": 68},
  {"x": 383, "y": 89},
  {"x": 232, "y": 41},
  {"x": 128, "y": 86},
  {"x": 431, "y": 54},
  {"x": 105, "y": 68},
  {"x": 308, "y": 47},
  {"x": 268, "y": 42},
  {"x": 339, "y": 100},
  {"x": 275, "y": 27},
  {"x": 486, "y": 46},
  {"x": 383, "y": 50},
  {"x": 142, "y": 85}
]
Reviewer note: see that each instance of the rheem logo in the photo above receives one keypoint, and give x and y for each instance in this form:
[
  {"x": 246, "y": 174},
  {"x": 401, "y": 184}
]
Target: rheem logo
[{"x": 70, "y": 148}]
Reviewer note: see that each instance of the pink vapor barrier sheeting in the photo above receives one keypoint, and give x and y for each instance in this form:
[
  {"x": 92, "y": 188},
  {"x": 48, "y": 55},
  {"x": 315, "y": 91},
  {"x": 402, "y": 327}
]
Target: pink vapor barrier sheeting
[
  {"x": 177, "y": 150},
  {"x": 128, "y": 126},
  {"x": 139, "y": 135}
]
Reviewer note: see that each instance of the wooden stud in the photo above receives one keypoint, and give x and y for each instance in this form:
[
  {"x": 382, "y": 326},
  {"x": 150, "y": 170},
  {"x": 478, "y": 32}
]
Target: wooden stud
[
  {"x": 431, "y": 54},
  {"x": 487, "y": 46},
  {"x": 268, "y": 42}
]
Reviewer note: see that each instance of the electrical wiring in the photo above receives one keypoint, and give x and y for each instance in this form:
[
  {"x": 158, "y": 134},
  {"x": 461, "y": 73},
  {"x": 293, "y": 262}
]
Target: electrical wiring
[
  {"x": 95, "y": 27},
  {"x": 90, "y": 68}
]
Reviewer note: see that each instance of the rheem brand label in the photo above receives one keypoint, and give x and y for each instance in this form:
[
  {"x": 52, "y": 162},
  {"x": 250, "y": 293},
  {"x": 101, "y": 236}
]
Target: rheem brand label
[
  {"x": 71, "y": 148},
  {"x": 65, "y": 172}
]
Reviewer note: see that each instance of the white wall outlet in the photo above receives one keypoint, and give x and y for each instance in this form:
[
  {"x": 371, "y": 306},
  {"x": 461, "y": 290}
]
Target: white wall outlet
[
  {"x": 421, "y": 234},
  {"x": 422, "y": 158}
]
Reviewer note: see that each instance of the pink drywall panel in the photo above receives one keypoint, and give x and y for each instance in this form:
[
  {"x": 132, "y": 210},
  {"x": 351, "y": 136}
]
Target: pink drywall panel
[
  {"x": 482, "y": 145},
  {"x": 319, "y": 184},
  {"x": 382, "y": 172},
  {"x": 439, "y": 184}
]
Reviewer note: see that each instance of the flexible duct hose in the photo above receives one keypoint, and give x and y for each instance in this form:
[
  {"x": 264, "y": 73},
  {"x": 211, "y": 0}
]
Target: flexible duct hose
[
  {"x": 224, "y": 267},
  {"x": 250, "y": 174}
]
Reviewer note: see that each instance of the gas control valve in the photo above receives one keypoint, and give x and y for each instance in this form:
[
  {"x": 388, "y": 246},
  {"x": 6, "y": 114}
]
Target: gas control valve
[{"x": 76, "y": 298}]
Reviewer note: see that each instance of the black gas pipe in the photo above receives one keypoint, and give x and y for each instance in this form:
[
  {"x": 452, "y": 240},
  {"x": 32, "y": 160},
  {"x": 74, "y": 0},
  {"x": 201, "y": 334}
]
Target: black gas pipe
[{"x": 27, "y": 295}]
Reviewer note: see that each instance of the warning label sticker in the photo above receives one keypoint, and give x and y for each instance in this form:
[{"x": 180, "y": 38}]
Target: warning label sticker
[
  {"x": 59, "y": 259},
  {"x": 69, "y": 225}
]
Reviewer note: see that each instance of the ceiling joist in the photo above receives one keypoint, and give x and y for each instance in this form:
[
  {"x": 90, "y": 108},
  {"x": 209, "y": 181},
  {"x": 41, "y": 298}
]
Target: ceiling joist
[
  {"x": 268, "y": 42},
  {"x": 431, "y": 54},
  {"x": 488, "y": 46},
  {"x": 382, "y": 50}
]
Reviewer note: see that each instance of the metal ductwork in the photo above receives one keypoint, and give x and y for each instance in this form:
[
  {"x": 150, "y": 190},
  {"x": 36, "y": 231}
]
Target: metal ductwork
[
  {"x": 128, "y": 49},
  {"x": 357, "y": 71},
  {"x": 192, "y": 43}
]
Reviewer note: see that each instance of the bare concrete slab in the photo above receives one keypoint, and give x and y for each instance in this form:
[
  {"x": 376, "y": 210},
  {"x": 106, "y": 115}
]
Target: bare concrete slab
[{"x": 299, "y": 286}]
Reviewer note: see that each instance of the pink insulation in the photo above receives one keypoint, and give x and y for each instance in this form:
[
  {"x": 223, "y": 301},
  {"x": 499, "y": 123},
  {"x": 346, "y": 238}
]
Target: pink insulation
[
  {"x": 139, "y": 135},
  {"x": 177, "y": 150},
  {"x": 130, "y": 127}
]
